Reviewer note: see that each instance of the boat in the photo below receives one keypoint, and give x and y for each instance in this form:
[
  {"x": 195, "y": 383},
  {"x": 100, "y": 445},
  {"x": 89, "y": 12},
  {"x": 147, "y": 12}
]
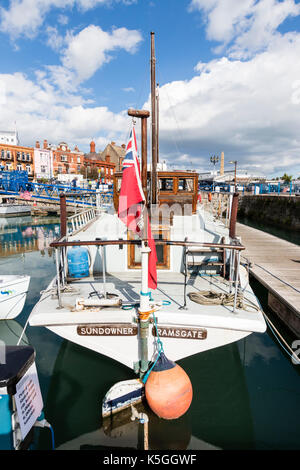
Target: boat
[
  {"x": 203, "y": 299},
  {"x": 13, "y": 209},
  {"x": 13, "y": 292}
]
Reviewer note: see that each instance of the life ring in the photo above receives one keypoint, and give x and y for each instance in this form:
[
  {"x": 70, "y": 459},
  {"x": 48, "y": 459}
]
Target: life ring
[{"x": 209, "y": 196}]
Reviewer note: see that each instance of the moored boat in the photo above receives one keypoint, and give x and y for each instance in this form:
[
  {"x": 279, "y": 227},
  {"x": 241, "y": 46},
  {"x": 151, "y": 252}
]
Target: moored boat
[
  {"x": 13, "y": 292},
  {"x": 14, "y": 210},
  {"x": 100, "y": 298}
]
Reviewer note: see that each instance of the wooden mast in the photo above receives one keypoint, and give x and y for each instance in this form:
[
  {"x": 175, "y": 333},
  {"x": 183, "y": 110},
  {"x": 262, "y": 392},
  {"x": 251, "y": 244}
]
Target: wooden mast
[
  {"x": 154, "y": 125},
  {"x": 157, "y": 123}
]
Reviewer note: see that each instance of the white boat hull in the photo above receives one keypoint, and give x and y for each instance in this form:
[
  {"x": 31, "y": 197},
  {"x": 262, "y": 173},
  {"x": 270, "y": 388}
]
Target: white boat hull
[
  {"x": 13, "y": 292},
  {"x": 125, "y": 349},
  {"x": 14, "y": 210}
]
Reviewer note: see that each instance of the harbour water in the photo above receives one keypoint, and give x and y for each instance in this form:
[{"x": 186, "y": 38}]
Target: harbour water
[{"x": 246, "y": 394}]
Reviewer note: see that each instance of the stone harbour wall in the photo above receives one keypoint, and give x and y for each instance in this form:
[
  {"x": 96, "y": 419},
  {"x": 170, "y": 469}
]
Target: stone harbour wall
[{"x": 280, "y": 211}]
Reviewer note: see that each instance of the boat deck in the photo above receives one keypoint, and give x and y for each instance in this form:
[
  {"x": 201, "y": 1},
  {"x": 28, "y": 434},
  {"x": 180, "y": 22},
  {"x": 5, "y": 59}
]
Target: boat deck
[{"x": 170, "y": 288}]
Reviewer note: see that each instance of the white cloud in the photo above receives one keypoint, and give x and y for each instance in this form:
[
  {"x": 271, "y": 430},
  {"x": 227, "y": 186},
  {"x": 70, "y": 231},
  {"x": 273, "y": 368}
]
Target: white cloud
[
  {"x": 43, "y": 113},
  {"x": 63, "y": 19},
  {"x": 248, "y": 25},
  {"x": 25, "y": 17},
  {"x": 128, "y": 89},
  {"x": 250, "y": 109},
  {"x": 55, "y": 40},
  {"x": 88, "y": 50}
]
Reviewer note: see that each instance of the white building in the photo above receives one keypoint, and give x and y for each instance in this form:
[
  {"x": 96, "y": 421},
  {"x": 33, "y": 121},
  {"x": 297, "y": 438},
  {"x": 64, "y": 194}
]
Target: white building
[
  {"x": 9, "y": 138},
  {"x": 43, "y": 163}
]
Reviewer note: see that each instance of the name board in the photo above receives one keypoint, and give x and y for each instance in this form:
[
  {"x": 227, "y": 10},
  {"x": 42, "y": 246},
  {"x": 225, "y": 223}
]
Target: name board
[
  {"x": 184, "y": 333},
  {"x": 28, "y": 400},
  {"x": 123, "y": 329}
]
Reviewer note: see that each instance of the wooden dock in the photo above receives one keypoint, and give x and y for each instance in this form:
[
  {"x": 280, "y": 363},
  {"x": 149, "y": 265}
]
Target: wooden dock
[{"x": 276, "y": 265}]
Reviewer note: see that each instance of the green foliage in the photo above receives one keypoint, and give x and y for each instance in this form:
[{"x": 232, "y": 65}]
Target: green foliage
[{"x": 287, "y": 178}]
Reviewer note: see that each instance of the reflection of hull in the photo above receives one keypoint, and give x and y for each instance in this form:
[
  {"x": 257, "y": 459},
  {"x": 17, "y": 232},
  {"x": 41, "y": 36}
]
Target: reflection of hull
[
  {"x": 219, "y": 416},
  {"x": 14, "y": 210},
  {"x": 13, "y": 291},
  {"x": 121, "y": 396}
]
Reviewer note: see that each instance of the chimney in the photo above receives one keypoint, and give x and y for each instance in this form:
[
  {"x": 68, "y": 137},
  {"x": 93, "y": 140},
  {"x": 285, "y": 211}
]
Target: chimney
[
  {"x": 37, "y": 144},
  {"x": 222, "y": 164},
  {"x": 92, "y": 147},
  {"x": 45, "y": 144}
]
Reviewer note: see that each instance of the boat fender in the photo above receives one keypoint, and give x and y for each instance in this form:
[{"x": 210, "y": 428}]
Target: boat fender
[
  {"x": 168, "y": 389},
  {"x": 209, "y": 196},
  {"x": 199, "y": 198}
]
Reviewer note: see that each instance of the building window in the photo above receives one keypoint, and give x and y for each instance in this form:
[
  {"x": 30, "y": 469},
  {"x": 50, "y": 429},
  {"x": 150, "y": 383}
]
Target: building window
[
  {"x": 78, "y": 160},
  {"x": 43, "y": 169},
  {"x": 2, "y": 154},
  {"x": 28, "y": 157},
  {"x": 64, "y": 158},
  {"x": 78, "y": 167},
  {"x": 28, "y": 169},
  {"x": 19, "y": 167},
  {"x": 59, "y": 169}
]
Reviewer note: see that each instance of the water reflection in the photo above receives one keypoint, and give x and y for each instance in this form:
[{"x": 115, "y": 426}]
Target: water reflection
[{"x": 26, "y": 234}]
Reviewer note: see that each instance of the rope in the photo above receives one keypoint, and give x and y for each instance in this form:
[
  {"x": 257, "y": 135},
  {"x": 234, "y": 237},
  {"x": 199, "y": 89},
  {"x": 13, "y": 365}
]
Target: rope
[
  {"x": 215, "y": 298},
  {"x": 160, "y": 349}
]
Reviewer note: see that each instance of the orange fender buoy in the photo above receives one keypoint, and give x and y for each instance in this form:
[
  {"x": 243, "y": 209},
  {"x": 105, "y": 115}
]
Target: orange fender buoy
[
  {"x": 209, "y": 196},
  {"x": 199, "y": 198},
  {"x": 168, "y": 389}
]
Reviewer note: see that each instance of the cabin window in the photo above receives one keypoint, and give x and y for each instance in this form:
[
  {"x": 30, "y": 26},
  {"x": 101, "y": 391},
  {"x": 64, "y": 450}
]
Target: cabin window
[
  {"x": 166, "y": 184},
  {"x": 162, "y": 251},
  {"x": 185, "y": 184},
  {"x": 119, "y": 182}
]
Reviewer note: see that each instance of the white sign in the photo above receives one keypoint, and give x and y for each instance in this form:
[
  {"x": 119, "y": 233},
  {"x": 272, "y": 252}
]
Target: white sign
[{"x": 29, "y": 400}]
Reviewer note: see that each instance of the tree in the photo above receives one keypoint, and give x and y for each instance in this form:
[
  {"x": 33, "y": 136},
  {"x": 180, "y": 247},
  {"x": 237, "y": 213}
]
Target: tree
[{"x": 287, "y": 178}]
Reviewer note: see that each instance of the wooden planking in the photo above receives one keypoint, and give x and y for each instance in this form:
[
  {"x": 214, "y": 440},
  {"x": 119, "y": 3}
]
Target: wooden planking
[{"x": 276, "y": 264}]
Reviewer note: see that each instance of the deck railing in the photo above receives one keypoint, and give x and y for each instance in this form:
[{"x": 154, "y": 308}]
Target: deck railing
[
  {"x": 78, "y": 221},
  {"x": 61, "y": 245}
]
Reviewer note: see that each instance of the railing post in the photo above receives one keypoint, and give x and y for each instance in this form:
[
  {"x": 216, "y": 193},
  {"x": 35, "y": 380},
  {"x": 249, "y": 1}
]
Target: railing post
[
  {"x": 63, "y": 215},
  {"x": 233, "y": 215},
  {"x": 58, "y": 278}
]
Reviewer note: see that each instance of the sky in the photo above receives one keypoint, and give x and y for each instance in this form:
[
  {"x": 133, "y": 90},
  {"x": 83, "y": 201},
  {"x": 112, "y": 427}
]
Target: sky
[{"x": 228, "y": 74}]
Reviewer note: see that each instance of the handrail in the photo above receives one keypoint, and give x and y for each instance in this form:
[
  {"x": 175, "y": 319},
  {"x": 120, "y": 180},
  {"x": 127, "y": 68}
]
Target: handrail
[{"x": 58, "y": 243}]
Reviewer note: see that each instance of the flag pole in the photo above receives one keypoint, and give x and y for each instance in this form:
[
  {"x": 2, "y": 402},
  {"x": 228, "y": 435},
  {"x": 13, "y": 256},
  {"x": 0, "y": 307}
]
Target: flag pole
[{"x": 144, "y": 309}]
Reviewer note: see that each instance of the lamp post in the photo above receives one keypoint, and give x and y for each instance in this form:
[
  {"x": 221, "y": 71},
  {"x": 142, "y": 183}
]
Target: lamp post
[
  {"x": 214, "y": 159},
  {"x": 235, "y": 164}
]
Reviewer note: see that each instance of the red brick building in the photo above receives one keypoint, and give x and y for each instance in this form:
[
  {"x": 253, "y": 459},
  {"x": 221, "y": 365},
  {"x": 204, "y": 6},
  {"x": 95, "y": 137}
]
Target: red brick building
[
  {"x": 105, "y": 167},
  {"x": 65, "y": 160}
]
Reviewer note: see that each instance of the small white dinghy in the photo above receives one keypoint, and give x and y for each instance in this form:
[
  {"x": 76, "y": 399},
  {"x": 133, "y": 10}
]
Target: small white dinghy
[{"x": 13, "y": 292}]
